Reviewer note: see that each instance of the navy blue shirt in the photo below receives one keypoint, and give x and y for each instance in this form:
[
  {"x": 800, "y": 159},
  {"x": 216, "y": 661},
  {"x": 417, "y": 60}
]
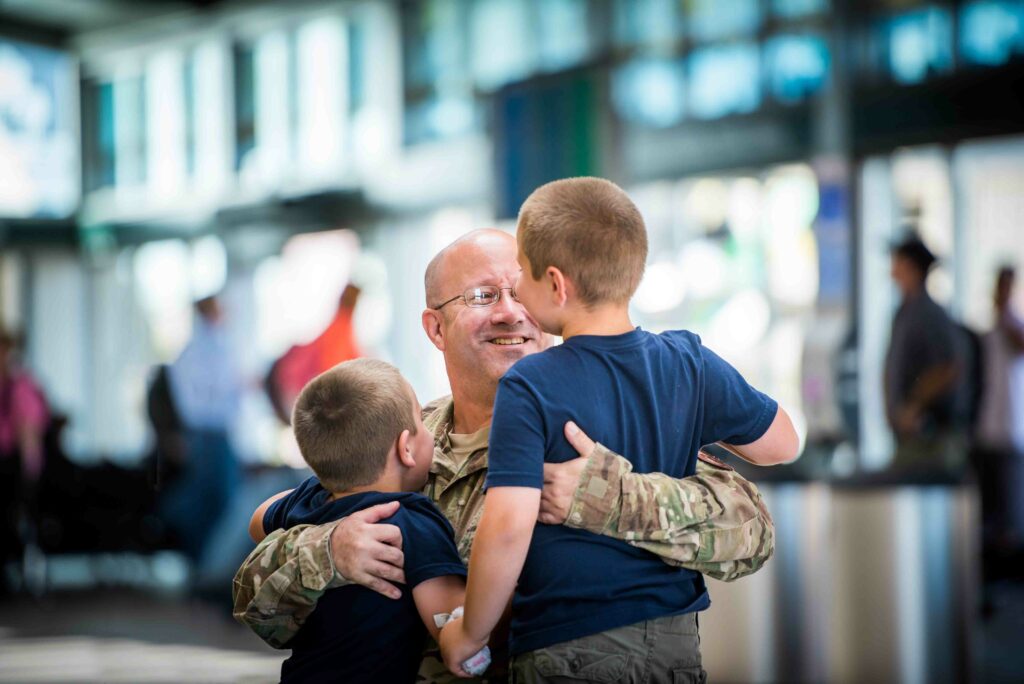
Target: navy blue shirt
[
  {"x": 355, "y": 634},
  {"x": 654, "y": 398}
]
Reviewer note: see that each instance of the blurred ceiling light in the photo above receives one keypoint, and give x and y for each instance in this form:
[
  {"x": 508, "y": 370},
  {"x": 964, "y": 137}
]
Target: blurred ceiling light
[
  {"x": 708, "y": 202},
  {"x": 702, "y": 265},
  {"x": 792, "y": 199},
  {"x": 662, "y": 288},
  {"x": 322, "y": 94},
  {"x": 208, "y": 266},
  {"x": 745, "y": 208},
  {"x": 740, "y": 324}
]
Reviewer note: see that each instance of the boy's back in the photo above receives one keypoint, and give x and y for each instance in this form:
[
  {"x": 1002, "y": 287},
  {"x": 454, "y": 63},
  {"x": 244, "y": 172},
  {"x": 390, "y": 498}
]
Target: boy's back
[
  {"x": 356, "y": 634},
  {"x": 657, "y": 398}
]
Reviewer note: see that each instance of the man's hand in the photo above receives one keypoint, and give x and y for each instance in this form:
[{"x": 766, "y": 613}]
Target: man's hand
[
  {"x": 457, "y": 647},
  {"x": 561, "y": 479},
  {"x": 370, "y": 554}
]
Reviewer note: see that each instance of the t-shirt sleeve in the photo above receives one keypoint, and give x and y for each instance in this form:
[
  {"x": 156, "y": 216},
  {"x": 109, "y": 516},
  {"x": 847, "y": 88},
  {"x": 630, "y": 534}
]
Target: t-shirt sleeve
[
  {"x": 428, "y": 543},
  {"x": 734, "y": 412},
  {"x": 516, "y": 451},
  {"x": 276, "y": 515}
]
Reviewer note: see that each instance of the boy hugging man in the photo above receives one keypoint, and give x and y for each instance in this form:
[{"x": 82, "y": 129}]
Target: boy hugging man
[
  {"x": 586, "y": 606},
  {"x": 358, "y": 426}
]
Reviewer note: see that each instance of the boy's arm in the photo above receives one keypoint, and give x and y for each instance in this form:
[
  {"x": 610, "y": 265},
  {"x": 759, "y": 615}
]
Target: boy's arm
[
  {"x": 256, "y": 530},
  {"x": 438, "y": 595},
  {"x": 779, "y": 444},
  {"x": 714, "y": 522},
  {"x": 499, "y": 551}
]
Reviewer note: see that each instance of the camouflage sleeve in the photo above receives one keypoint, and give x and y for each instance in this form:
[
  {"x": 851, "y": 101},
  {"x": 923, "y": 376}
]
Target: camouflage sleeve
[
  {"x": 714, "y": 522},
  {"x": 280, "y": 582}
]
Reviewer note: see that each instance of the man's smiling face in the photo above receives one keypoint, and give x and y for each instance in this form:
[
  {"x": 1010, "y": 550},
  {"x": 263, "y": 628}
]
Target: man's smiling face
[{"x": 481, "y": 343}]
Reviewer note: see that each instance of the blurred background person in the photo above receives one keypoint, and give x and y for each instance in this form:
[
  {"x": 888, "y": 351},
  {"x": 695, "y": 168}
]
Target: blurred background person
[
  {"x": 23, "y": 422},
  {"x": 303, "y": 362},
  {"x": 924, "y": 369},
  {"x": 206, "y": 387},
  {"x": 1000, "y": 431}
]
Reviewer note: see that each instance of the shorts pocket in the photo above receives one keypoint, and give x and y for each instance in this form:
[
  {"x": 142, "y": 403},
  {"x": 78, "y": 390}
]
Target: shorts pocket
[
  {"x": 689, "y": 675},
  {"x": 581, "y": 664}
]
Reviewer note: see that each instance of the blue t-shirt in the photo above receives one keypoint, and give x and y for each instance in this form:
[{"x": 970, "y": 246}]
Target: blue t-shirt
[
  {"x": 355, "y": 634},
  {"x": 653, "y": 398}
]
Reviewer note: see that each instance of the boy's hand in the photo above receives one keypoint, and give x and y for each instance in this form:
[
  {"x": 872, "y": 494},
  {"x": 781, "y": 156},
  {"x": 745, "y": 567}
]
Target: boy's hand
[
  {"x": 457, "y": 647},
  {"x": 370, "y": 554},
  {"x": 561, "y": 479}
]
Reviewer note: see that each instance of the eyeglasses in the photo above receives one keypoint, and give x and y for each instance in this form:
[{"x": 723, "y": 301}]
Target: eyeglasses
[{"x": 482, "y": 295}]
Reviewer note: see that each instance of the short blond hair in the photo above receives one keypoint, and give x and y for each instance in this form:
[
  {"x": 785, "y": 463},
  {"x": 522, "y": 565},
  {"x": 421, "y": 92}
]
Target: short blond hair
[
  {"x": 347, "y": 419},
  {"x": 589, "y": 229}
]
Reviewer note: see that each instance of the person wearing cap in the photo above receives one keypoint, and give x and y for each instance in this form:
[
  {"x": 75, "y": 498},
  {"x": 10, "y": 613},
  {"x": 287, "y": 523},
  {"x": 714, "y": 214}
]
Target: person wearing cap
[{"x": 923, "y": 367}]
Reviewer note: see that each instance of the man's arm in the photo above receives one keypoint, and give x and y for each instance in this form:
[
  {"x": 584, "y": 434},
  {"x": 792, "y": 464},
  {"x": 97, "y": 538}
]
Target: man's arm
[
  {"x": 714, "y": 522},
  {"x": 279, "y": 584}
]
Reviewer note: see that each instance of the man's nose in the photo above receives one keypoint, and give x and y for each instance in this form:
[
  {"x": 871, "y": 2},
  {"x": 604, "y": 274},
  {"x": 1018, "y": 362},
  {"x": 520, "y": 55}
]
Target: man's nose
[{"x": 507, "y": 310}]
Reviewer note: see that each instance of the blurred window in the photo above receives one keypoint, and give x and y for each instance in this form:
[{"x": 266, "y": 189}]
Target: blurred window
[
  {"x": 796, "y": 66},
  {"x": 650, "y": 92},
  {"x": 245, "y": 101},
  {"x": 98, "y": 142},
  {"x": 797, "y": 9},
  {"x": 356, "y": 65},
  {"x": 501, "y": 42},
  {"x": 130, "y": 131},
  {"x": 563, "y": 35},
  {"x": 991, "y": 33},
  {"x": 38, "y": 151},
  {"x": 918, "y": 44},
  {"x": 646, "y": 22},
  {"x": 714, "y": 19},
  {"x": 724, "y": 80},
  {"x": 438, "y": 88},
  {"x": 189, "y": 82}
]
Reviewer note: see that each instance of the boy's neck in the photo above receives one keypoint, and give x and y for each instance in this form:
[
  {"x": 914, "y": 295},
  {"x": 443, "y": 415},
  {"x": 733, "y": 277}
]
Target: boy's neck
[
  {"x": 605, "y": 319},
  {"x": 388, "y": 482}
]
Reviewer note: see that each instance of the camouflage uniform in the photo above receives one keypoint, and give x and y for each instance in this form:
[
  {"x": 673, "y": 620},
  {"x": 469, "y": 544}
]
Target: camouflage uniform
[{"x": 714, "y": 522}]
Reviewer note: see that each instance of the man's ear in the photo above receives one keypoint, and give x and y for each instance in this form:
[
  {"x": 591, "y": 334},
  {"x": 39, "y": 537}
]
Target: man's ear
[
  {"x": 404, "y": 448},
  {"x": 560, "y": 285},
  {"x": 433, "y": 326}
]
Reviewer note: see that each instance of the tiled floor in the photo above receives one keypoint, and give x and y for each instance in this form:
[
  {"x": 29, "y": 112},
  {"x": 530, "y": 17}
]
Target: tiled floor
[{"x": 122, "y": 636}]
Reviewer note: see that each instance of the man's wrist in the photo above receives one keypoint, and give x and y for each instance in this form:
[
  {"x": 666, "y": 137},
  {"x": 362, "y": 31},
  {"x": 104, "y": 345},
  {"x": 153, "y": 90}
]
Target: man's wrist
[
  {"x": 599, "y": 492},
  {"x": 316, "y": 559}
]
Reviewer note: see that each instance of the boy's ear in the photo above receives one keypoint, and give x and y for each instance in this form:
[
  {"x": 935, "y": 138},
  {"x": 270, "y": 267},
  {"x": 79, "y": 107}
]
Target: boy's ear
[
  {"x": 404, "y": 448},
  {"x": 432, "y": 325},
  {"x": 559, "y": 284}
]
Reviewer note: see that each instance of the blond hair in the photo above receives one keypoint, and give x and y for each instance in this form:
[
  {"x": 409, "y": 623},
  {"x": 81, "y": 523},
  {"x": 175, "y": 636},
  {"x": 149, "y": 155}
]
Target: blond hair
[
  {"x": 347, "y": 419},
  {"x": 589, "y": 229}
]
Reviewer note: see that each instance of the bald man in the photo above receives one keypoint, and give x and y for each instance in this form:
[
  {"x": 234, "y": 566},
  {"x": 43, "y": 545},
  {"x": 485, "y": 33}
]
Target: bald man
[{"x": 714, "y": 522}]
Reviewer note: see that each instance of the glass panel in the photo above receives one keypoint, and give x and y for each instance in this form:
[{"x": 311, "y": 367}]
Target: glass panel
[
  {"x": 356, "y": 52},
  {"x": 650, "y": 92},
  {"x": 919, "y": 44},
  {"x": 189, "y": 82},
  {"x": 38, "y": 150},
  {"x": 795, "y": 9},
  {"x": 714, "y": 19},
  {"x": 502, "y": 43},
  {"x": 245, "y": 102},
  {"x": 646, "y": 22},
  {"x": 98, "y": 101},
  {"x": 562, "y": 41},
  {"x": 797, "y": 66},
  {"x": 991, "y": 33},
  {"x": 724, "y": 80},
  {"x": 130, "y": 131}
]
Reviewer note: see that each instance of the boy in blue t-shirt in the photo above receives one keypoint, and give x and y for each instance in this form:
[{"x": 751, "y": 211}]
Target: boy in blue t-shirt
[
  {"x": 358, "y": 426},
  {"x": 582, "y": 248}
]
